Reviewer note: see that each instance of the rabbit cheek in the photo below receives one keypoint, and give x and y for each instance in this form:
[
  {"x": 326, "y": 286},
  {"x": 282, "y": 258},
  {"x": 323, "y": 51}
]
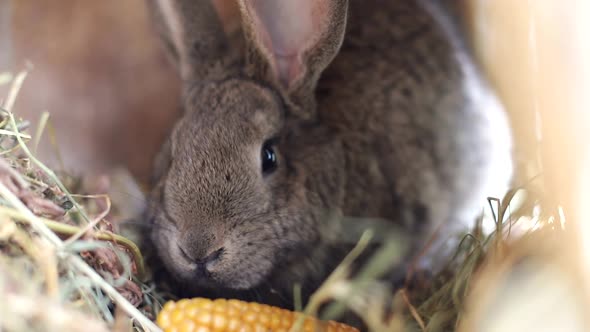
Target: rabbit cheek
[
  {"x": 249, "y": 256},
  {"x": 244, "y": 269}
]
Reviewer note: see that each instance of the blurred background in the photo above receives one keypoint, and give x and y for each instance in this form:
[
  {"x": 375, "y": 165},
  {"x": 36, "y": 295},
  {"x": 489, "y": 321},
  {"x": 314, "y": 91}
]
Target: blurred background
[{"x": 98, "y": 69}]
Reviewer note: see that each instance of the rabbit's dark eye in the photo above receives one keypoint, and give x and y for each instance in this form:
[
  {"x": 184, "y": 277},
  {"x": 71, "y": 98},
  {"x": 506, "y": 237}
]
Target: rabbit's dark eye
[{"x": 269, "y": 158}]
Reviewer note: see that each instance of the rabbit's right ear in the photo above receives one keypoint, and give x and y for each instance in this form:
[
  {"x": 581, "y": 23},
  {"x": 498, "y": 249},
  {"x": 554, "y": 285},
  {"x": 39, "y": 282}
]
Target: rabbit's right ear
[{"x": 193, "y": 35}]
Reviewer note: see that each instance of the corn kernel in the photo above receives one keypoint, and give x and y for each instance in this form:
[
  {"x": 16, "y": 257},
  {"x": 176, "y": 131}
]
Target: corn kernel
[
  {"x": 286, "y": 320},
  {"x": 263, "y": 319},
  {"x": 202, "y": 303},
  {"x": 204, "y": 318},
  {"x": 191, "y": 310},
  {"x": 169, "y": 306},
  {"x": 187, "y": 325},
  {"x": 309, "y": 325},
  {"x": 219, "y": 322},
  {"x": 250, "y": 317},
  {"x": 164, "y": 320},
  {"x": 275, "y": 321},
  {"x": 182, "y": 303},
  {"x": 259, "y": 328},
  {"x": 266, "y": 309},
  {"x": 220, "y": 305},
  {"x": 256, "y": 307},
  {"x": 245, "y": 328},
  {"x": 238, "y": 304},
  {"x": 233, "y": 324},
  {"x": 177, "y": 316},
  {"x": 204, "y": 315},
  {"x": 232, "y": 311}
]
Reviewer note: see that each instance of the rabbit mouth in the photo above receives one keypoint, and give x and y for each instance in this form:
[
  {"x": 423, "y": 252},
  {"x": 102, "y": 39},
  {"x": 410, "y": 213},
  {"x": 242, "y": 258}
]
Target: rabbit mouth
[{"x": 218, "y": 271}]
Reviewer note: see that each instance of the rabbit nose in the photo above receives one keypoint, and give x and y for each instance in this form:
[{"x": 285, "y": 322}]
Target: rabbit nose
[{"x": 205, "y": 262}]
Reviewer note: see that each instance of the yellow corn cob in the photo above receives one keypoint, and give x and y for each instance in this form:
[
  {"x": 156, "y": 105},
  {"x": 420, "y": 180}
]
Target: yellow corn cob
[{"x": 204, "y": 315}]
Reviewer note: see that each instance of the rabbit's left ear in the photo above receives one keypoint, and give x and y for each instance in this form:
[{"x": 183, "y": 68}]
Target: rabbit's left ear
[{"x": 292, "y": 41}]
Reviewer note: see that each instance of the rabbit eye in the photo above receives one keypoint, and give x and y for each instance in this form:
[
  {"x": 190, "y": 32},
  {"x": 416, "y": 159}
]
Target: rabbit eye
[{"x": 269, "y": 158}]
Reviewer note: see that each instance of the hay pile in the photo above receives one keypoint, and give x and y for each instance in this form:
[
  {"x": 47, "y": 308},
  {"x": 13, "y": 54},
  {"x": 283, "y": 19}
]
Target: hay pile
[{"x": 63, "y": 268}]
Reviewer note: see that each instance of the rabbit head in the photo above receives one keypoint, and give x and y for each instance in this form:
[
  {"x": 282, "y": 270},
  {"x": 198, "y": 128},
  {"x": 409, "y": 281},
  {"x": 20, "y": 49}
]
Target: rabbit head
[{"x": 232, "y": 197}]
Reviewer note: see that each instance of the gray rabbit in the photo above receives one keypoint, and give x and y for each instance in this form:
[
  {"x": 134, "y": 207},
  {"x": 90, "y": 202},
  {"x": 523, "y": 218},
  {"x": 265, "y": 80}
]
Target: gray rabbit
[{"x": 325, "y": 110}]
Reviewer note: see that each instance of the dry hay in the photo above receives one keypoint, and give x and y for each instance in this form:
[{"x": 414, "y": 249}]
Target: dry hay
[{"x": 58, "y": 250}]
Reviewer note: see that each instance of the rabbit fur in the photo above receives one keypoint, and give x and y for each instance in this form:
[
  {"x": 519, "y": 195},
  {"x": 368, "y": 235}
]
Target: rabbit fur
[{"x": 374, "y": 114}]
